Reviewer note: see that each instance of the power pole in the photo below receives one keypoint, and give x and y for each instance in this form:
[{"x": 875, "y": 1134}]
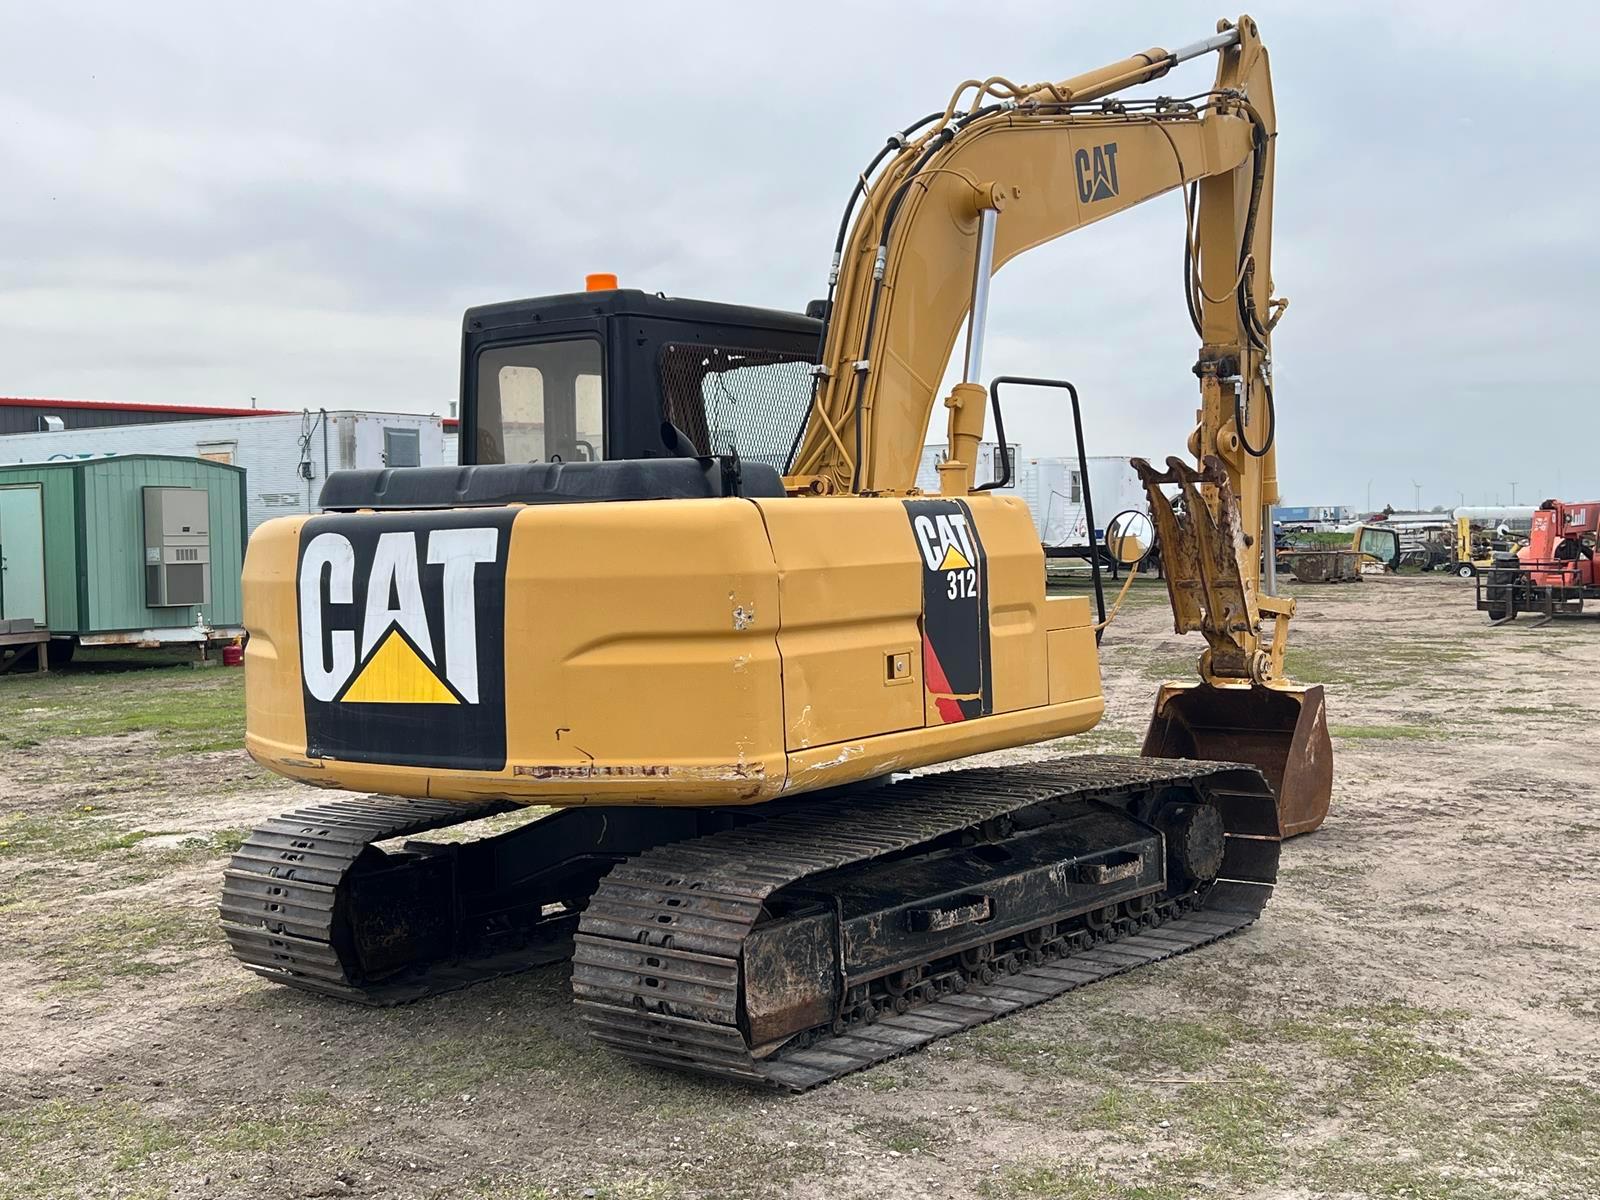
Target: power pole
[
  {"x": 1416, "y": 494},
  {"x": 1513, "y": 492}
]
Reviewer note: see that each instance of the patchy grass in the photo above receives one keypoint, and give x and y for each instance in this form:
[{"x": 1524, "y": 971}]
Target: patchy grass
[
  {"x": 464, "y": 1064},
  {"x": 1147, "y": 591},
  {"x": 1276, "y": 1064},
  {"x": 1385, "y": 733},
  {"x": 1306, "y": 665},
  {"x": 1566, "y": 1122},
  {"x": 55, "y": 1146},
  {"x": 1158, "y": 667},
  {"x": 84, "y": 832},
  {"x": 624, "y": 1189},
  {"x": 1204, "y": 1090},
  {"x": 281, "y": 1131},
  {"x": 903, "y": 1135},
  {"x": 1110, "y": 1047},
  {"x": 126, "y": 841},
  {"x": 519, "y": 1048},
  {"x": 113, "y": 943},
  {"x": 1061, "y": 1183},
  {"x": 217, "y": 842},
  {"x": 1427, "y": 653},
  {"x": 1102, "y": 739},
  {"x": 49, "y": 1143},
  {"x": 1243, "y": 1133},
  {"x": 190, "y": 711},
  {"x": 1381, "y": 1047},
  {"x": 1385, "y": 666},
  {"x": 1384, "y": 1075},
  {"x": 881, "y": 1080},
  {"x": 1446, "y": 1155}
]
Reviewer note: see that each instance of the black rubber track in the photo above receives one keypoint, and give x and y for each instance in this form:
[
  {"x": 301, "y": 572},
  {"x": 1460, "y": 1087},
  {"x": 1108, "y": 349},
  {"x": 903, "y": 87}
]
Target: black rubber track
[
  {"x": 281, "y": 894},
  {"x": 678, "y": 1004}
]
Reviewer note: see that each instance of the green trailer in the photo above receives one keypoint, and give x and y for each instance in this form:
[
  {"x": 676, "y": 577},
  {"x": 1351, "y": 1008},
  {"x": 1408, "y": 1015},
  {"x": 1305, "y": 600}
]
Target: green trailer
[{"x": 138, "y": 549}]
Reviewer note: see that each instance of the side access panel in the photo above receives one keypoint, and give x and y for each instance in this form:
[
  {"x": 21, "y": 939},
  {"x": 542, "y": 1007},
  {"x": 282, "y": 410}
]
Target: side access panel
[{"x": 850, "y": 638}]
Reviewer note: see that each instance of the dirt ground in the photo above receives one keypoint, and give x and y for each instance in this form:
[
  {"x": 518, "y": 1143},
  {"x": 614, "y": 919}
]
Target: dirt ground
[{"x": 1416, "y": 1015}]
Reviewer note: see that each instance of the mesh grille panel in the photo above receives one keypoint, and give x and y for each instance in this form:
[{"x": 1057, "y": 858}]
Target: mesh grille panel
[{"x": 752, "y": 400}]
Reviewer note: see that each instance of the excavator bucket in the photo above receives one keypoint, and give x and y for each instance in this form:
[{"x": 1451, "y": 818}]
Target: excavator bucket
[{"x": 1281, "y": 730}]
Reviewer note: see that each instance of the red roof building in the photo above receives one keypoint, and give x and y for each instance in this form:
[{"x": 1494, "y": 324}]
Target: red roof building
[{"x": 26, "y": 414}]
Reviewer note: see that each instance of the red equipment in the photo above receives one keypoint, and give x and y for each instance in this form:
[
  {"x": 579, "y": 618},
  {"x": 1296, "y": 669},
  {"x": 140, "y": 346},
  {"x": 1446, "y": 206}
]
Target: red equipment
[
  {"x": 1554, "y": 573},
  {"x": 1548, "y": 562}
]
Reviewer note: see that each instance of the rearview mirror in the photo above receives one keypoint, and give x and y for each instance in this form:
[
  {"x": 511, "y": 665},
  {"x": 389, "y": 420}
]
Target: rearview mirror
[{"x": 1129, "y": 536}]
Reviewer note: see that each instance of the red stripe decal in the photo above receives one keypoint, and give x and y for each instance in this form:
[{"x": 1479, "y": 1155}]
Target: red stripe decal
[{"x": 935, "y": 681}]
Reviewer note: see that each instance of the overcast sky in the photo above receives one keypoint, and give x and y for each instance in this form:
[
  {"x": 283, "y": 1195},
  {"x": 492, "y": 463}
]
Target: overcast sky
[{"x": 207, "y": 203}]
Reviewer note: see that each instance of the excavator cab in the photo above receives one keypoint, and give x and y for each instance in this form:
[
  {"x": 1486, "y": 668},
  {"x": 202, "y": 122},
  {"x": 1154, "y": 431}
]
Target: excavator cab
[{"x": 599, "y": 376}]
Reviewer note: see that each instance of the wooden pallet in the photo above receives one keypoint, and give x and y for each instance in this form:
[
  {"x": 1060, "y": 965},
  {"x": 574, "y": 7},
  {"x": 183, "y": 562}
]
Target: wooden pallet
[{"x": 18, "y": 643}]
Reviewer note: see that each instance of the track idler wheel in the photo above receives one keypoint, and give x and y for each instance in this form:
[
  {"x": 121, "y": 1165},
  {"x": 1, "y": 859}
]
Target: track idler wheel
[{"x": 1194, "y": 836}]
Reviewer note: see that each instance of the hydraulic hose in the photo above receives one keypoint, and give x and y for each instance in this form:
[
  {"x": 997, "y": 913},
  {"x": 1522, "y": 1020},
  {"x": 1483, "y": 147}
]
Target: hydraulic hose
[
  {"x": 896, "y": 142},
  {"x": 1272, "y": 423}
]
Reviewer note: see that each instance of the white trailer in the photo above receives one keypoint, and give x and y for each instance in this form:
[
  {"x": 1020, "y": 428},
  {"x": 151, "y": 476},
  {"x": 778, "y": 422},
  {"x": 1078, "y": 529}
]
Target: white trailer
[
  {"x": 989, "y": 467},
  {"x": 1053, "y": 490},
  {"x": 286, "y": 456}
]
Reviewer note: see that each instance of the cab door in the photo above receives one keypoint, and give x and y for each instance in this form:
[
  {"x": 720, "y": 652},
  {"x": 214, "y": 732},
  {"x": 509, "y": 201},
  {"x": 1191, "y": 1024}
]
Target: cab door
[{"x": 1381, "y": 544}]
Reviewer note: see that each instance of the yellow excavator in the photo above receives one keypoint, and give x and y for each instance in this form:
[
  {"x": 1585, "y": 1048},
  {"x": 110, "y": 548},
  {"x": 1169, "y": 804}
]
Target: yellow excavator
[{"x": 683, "y": 591}]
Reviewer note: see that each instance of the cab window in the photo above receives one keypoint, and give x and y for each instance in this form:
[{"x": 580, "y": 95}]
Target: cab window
[
  {"x": 728, "y": 399},
  {"x": 541, "y": 402},
  {"x": 1380, "y": 543}
]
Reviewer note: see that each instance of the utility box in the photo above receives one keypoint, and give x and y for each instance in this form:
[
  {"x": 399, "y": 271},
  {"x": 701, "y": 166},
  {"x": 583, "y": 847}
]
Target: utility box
[{"x": 177, "y": 547}]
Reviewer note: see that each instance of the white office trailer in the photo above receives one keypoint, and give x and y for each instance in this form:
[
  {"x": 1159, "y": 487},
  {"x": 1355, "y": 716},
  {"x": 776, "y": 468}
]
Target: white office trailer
[
  {"x": 1054, "y": 492},
  {"x": 989, "y": 467},
  {"x": 286, "y": 456}
]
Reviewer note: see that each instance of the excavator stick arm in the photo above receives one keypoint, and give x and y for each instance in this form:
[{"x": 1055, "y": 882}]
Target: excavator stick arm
[{"x": 1202, "y": 547}]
